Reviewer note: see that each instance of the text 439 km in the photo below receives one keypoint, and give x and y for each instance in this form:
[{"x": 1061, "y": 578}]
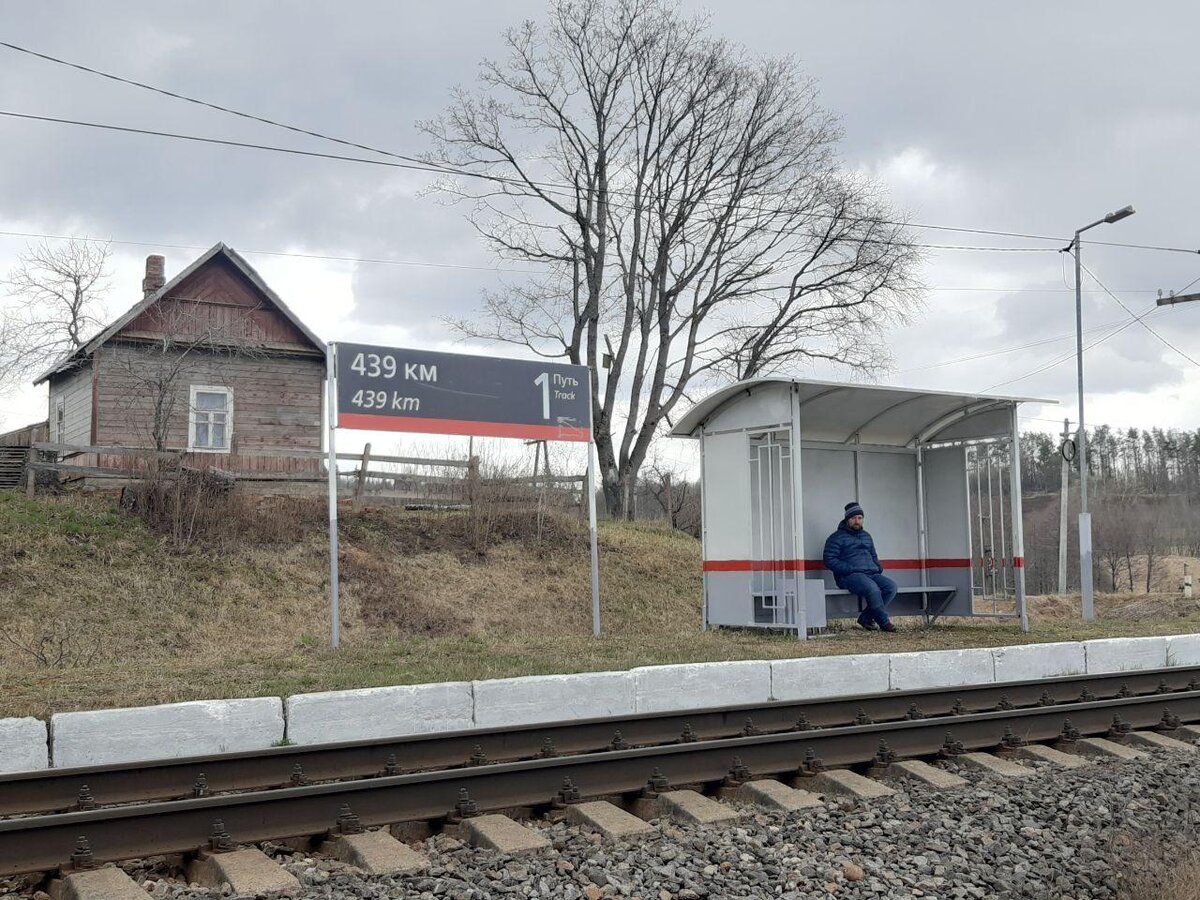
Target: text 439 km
[
  {"x": 372, "y": 365},
  {"x": 392, "y": 401}
]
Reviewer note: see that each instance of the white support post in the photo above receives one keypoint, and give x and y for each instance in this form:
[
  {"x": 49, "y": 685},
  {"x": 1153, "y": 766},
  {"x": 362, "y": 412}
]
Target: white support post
[
  {"x": 331, "y": 408},
  {"x": 922, "y": 524},
  {"x": 703, "y": 539},
  {"x": 1018, "y": 527},
  {"x": 798, "y": 521}
]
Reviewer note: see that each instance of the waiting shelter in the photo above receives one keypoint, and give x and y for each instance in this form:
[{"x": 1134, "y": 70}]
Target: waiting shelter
[{"x": 780, "y": 457}]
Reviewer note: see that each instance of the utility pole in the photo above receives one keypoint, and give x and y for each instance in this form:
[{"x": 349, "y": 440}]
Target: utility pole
[{"x": 1062, "y": 511}]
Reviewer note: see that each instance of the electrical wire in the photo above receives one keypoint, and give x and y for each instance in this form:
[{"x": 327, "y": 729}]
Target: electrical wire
[
  {"x": 1136, "y": 319},
  {"x": 1002, "y": 351},
  {"x": 1066, "y": 356},
  {"x": 223, "y": 142},
  {"x": 210, "y": 105},
  {"x": 158, "y": 245},
  {"x": 426, "y": 165}
]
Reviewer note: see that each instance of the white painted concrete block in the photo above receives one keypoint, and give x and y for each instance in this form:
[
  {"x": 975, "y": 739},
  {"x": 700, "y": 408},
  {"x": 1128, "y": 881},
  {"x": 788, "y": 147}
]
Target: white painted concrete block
[
  {"x": 830, "y": 676},
  {"x": 1183, "y": 650},
  {"x": 698, "y": 685},
  {"x": 23, "y": 745},
  {"x": 1125, "y": 654},
  {"x": 380, "y": 712},
  {"x": 941, "y": 668},
  {"x": 165, "y": 732},
  {"x": 1030, "y": 661},
  {"x": 550, "y": 698}
]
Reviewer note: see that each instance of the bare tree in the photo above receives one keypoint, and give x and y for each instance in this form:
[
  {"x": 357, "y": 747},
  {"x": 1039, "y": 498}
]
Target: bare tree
[
  {"x": 56, "y": 293},
  {"x": 686, "y": 205}
]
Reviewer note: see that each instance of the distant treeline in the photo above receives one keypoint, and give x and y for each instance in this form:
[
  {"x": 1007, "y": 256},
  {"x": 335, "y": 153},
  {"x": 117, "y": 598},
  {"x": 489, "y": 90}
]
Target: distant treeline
[{"x": 1157, "y": 461}]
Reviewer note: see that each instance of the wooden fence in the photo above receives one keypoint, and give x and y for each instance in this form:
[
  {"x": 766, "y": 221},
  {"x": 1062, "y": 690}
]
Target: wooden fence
[{"x": 420, "y": 482}]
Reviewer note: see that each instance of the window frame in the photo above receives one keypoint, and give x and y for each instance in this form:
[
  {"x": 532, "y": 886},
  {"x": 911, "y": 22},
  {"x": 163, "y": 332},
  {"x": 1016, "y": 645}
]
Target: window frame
[
  {"x": 60, "y": 419},
  {"x": 192, "y": 410}
]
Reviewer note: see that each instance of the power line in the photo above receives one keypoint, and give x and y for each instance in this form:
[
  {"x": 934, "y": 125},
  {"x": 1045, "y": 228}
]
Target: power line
[
  {"x": 414, "y": 167},
  {"x": 1066, "y": 356},
  {"x": 438, "y": 169},
  {"x": 286, "y": 253},
  {"x": 210, "y": 105},
  {"x": 125, "y": 129},
  {"x": 316, "y": 154},
  {"x": 426, "y": 165},
  {"x": 465, "y": 172},
  {"x": 1139, "y": 321},
  {"x": 1001, "y": 352}
]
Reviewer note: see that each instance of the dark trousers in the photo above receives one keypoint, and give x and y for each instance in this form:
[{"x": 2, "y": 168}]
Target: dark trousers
[{"x": 877, "y": 591}]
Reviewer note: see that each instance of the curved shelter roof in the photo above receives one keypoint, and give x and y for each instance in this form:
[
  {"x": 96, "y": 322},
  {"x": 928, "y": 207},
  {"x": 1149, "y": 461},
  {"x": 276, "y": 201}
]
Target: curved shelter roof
[{"x": 866, "y": 414}]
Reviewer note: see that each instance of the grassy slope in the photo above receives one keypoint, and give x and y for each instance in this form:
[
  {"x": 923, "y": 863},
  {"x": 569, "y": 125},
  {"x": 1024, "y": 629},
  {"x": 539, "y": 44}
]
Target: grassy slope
[{"x": 136, "y": 623}]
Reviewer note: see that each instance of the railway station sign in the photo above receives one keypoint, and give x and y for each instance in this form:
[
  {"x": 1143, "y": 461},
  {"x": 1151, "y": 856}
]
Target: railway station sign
[
  {"x": 395, "y": 389},
  {"x": 371, "y": 388}
]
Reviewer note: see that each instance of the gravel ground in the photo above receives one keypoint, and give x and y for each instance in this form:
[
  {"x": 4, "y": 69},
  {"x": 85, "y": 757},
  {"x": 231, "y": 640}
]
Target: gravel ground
[{"x": 1057, "y": 835}]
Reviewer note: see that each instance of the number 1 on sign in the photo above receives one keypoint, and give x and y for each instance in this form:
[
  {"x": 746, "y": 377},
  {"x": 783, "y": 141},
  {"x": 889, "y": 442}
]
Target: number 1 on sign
[{"x": 544, "y": 381}]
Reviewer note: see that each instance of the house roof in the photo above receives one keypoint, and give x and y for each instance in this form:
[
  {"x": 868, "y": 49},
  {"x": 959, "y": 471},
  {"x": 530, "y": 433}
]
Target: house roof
[
  {"x": 871, "y": 414},
  {"x": 218, "y": 249}
]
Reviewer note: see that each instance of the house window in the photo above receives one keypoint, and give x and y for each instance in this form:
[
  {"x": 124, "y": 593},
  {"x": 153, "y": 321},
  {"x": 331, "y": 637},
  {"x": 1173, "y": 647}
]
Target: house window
[
  {"x": 211, "y": 419},
  {"x": 60, "y": 419}
]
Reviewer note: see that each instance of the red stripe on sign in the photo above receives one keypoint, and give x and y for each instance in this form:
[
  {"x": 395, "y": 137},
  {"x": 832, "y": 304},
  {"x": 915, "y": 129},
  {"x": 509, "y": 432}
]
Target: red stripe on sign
[
  {"x": 366, "y": 422},
  {"x": 816, "y": 565},
  {"x": 1019, "y": 562}
]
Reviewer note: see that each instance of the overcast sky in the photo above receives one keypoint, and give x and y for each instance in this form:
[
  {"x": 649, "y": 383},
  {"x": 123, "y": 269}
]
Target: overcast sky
[{"x": 1022, "y": 116}]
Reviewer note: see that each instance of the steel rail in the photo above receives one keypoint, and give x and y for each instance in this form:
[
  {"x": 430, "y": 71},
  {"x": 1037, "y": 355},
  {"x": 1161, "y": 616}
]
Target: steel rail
[
  {"x": 54, "y": 790},
  {"x": 44, "y": 843}
]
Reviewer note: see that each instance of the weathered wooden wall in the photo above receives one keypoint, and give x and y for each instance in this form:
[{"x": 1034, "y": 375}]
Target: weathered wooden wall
[
  {"x": 75, "y": 388},
  {"x": 276, "y": 403}
]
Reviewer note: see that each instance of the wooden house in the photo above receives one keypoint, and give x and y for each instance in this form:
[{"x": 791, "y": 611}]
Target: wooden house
[{"x": 212, "y": 363}]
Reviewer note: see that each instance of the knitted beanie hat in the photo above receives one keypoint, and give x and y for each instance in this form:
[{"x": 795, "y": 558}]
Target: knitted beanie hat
[{"x": 853, "y": 509}]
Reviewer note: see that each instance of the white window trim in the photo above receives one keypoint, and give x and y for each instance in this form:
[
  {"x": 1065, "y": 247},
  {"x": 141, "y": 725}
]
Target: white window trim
[
  {"x": 60, "y": 424},
  {"x": 210, "y": 389}
]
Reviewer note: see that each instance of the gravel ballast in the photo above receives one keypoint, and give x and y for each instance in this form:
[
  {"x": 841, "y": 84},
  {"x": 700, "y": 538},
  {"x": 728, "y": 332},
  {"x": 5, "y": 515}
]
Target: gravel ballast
[{"x": 1061, "y": 834}]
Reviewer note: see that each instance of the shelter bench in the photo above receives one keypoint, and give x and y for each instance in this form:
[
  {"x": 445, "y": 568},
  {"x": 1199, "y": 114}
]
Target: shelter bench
[{"x": 933, "y": 600}]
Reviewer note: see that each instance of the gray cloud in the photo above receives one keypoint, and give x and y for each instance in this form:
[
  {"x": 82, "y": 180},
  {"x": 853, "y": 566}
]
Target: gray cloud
[{"x": 1024, "y": 116}]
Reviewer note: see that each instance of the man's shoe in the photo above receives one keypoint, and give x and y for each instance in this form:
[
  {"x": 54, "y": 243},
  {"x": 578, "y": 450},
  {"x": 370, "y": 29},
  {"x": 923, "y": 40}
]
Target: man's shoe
[
  {"x": 867, "y": 626},
  {"x": 889, "y": 627}
]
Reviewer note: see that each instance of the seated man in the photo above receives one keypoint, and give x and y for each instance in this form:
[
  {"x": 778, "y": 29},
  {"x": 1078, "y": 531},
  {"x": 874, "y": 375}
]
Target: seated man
[{"x": 850, "y": 555}]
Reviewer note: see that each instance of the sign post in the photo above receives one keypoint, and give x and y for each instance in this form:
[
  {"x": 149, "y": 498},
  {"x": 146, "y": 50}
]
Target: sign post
[
  {"x": 331, "y": 403},
  {"x": 398, "y": 389}
]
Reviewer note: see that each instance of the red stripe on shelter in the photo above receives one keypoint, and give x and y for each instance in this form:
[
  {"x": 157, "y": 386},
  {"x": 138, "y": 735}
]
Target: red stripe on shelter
[
  {"x": 816, "y": 565},
  {"x": 366, "y": 422}
]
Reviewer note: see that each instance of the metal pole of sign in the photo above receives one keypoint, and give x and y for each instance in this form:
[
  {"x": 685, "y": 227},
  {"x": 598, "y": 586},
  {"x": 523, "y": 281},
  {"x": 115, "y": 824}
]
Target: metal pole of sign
[
  {"x": 591, "y": 492},
  {"x": 591, "y": 498},
  {"x": 331, "y": 404}
]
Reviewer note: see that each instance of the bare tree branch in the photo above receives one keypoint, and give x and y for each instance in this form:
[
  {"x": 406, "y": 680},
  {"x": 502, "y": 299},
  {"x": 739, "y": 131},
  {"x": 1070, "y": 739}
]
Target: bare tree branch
[
  {"x": 684, "y": 200},
  {"x": 54, "y": 306}
]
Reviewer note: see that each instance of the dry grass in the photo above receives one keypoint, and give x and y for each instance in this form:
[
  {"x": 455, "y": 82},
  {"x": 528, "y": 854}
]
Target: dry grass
[
  {"x": 1159, "y": 865},
  {"x": 247, "y": 615}
]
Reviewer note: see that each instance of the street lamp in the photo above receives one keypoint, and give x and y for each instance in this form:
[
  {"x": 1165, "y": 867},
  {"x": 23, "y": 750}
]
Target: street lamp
[{"x": 1085, "y": 518}]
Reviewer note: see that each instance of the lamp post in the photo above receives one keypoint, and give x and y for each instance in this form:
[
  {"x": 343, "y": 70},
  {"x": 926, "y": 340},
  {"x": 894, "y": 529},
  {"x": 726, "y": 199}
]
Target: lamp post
[{"x": 1085, "y": 518}]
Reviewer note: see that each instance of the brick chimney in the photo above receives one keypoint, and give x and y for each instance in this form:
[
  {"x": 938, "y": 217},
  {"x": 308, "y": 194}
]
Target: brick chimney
[{"x": 154, "y": 275}]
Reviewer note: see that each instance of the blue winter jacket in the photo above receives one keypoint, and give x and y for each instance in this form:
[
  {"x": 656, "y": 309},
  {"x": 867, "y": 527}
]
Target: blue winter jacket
[{"x": 848, "y": 551}]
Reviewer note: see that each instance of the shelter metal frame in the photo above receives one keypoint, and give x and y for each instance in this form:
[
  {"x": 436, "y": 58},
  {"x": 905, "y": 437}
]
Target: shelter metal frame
[{"x": 821, "y": 417}]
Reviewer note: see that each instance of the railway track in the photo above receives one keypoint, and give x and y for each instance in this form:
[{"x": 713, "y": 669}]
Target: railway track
[{"x": 429, "y": 779}]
